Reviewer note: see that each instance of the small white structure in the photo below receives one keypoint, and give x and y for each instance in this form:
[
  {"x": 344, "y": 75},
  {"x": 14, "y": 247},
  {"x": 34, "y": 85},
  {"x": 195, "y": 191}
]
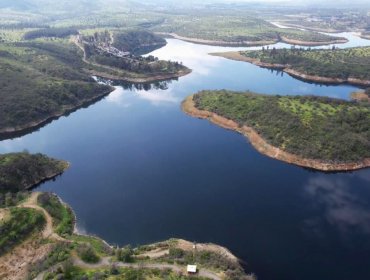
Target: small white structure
[{"x": 191, "y": 269}]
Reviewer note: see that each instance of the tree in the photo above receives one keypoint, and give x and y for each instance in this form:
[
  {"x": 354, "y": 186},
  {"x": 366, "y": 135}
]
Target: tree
[{"x": 125, "y": 254}]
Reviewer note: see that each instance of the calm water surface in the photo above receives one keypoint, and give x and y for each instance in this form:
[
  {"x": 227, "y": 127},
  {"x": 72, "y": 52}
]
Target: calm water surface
[{"x": 143, "y": 171}]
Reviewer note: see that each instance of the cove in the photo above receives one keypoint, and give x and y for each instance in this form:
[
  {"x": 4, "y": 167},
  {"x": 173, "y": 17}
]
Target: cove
[{"x": 143, "y": 171}]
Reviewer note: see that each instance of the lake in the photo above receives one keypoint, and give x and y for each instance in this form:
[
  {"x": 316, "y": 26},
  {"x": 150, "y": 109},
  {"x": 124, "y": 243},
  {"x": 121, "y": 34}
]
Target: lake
[{"x": 142, "y": 171}]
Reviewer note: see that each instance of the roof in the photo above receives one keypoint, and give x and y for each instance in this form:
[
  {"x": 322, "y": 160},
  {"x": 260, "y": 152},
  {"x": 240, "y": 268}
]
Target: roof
[{"x": 192, "y": 268}]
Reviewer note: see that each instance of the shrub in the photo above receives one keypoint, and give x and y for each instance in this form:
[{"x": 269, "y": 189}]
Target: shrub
[{"x": 87, "y": 253}]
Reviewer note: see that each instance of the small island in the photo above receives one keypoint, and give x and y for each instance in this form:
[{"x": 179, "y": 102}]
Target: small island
[
  {"x": 319, "y": 133},
  {"x": 331, "y": 66}
]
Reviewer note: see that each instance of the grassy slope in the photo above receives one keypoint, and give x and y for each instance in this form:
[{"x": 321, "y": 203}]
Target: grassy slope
[
  {"x": 63, "y": 217},
  {"x": 40, "y": 80},
  {"x": 340, "y": 63},
  {"x": 19, "y": 171},
  {"x": 21, "y": 224},
  {"x": 312, "y": 127}
]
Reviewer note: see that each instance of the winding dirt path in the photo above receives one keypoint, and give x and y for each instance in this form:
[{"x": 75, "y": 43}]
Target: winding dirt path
[
  {"x": 106, "y": 261},
  {"x": 48, "y": 231},
  {"x": 14, "y": 264}
]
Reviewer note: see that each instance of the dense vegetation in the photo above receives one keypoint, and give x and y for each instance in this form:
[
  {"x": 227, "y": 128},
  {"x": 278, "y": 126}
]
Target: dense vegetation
[
  {"x": 63, "y": 217},
  {"x": 21, "y": 224},
  {"x": 137, "y": 42},
  {"x": 40, "y": 80},
  {"x": 337, "y": 63},
  {"x": 125, "y": 254},
  {"x": 50, "y": 32},
  {"x": 314, "y": 127},
  {"x": 19, "y": 171}
]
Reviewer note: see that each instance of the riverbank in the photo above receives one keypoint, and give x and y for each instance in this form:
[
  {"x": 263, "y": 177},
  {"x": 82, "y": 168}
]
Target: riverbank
[
  {"x": 221, "y": 43},
  {"x": 237, "y": 56},
  {"x": 360, "y": 96},
  {"x": 261, "y": 145},
  {"x": 10, "y": 132},
  {"x": 23, "y": 171},
  {"x": 218, "y": 43},
  {"x": 113, "y": 73},
  {"x": 48, "y": 177},
  {"x": 311, "y": 44},
  {"x": 148, "y": 79},
  {"x": 33, "y": 256}
]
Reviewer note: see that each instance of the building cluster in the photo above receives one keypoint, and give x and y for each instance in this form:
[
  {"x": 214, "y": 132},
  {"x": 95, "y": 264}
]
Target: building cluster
[{"x": 112, "y": 51}]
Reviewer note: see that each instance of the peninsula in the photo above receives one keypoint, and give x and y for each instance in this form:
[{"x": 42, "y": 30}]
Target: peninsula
[
  {"x": 44, "y": 79},
  {"x": 39, "y": 239},
  {"x": 115, "y": 56},
  {"x": 22, "y": 171},
  {"x": 334, "y": 66},
  {"x": 315, "y": 132}
]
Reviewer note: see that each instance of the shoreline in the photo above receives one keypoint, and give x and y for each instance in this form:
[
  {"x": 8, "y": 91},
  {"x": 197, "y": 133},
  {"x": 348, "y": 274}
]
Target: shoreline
[
  {"x": 312, "y": 44},
  {"x": 251, "y": 43},
  {"x": 147, "y": 79},
  {"x": 49, "y": 177},
  {"x": 294, "y": 73},
  {"x": 150, "y": 255},
  {"x": 156, "y": 78},
  {"x": 7, "y": 133},
  {"x": 218, "y": 43},
  {"x": 261, "y": 145}
]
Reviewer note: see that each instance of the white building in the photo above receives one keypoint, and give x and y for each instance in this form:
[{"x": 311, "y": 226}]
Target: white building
[{"x": 191, "y": 269}]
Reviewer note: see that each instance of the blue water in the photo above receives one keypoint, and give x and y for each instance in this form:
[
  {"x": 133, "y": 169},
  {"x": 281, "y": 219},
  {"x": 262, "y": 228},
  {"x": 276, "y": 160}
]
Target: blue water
[{"x": 143, "y": 171}]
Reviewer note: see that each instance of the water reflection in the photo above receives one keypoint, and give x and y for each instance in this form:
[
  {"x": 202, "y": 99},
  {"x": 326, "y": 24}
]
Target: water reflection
[
  {"x": 125, "y": 93},
  {"x": 125, "y": 98},
  {"x": 157, "y": 85},
  {"x": 340, "y": 204}
]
